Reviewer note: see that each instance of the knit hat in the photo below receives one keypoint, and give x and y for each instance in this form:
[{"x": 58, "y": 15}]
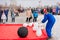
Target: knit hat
[{"x": 45, "y": 10}]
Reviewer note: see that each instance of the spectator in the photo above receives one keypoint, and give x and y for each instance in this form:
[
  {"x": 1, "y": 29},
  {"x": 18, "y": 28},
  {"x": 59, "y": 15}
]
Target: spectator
[
  {"x": 16, "y": 12},
  {"x": 50, "y": 9},
  {"x": 35, "y": 16},
  {"x": 6, "y": 13},
  {"x": 42, "y": 11},
  {"x": 57, "y": 8},
  {"x": 54, "y": 10},
  {"x": 29, "y": 15},
  {"x": 32, "y": 10},
  {"x": 39, "y": 10},
  {"x": 3, "y": 18},
  {"x": 13, "y": 15},
  {"x": 1, "y": 11}
]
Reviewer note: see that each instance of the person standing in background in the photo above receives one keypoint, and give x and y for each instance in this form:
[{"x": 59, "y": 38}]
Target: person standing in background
[
  {"x": 54, "y": 11},
  {"x": 29, "y": 15},
  {"x": 1, "y": 12},
  {"x": 13, "y": 15},
  {"x": 57, "y": 8},
  {"x": 6, "y": 13},
  {"x": 42, "y": 10},
  {"x": 3, "y": 18},
  {"x": 35, "y": 16}
]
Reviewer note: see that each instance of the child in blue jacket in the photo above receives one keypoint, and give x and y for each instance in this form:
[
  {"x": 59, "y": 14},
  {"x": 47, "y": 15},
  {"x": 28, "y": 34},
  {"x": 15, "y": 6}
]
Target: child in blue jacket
[
  {"x": 35, "y": 15},
  {"x": 50, "y": 23}
]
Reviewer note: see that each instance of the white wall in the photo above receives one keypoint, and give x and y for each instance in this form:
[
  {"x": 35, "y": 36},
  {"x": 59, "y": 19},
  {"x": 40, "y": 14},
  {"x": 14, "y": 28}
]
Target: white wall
[{"x": 32, "y": 3}]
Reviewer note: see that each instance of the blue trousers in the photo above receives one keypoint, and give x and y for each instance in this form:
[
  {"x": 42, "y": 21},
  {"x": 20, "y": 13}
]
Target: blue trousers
[{"x": 49, "y": 28}]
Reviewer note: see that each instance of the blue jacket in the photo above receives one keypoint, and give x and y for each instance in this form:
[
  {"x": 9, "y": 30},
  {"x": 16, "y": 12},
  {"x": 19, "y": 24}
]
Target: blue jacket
[
  {"x": 57, "y": 9},
  {"x": 50, "y": 23},
  {"x": 35, "y": 14},
  {"x": 48, "y": 17},
  {"x": 6, "y": 12}
]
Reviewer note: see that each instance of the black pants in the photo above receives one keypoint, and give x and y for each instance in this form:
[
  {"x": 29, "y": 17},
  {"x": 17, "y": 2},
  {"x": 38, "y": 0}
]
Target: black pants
[
  {"x": 35, "y": 19},
  {"x": 0, "y": 17},
  {"x": 28, "y": 19},
  {"x": 13, "y": 19},
  {"x": 7, "y": 18},
  {"x": 54, "y": 13}
]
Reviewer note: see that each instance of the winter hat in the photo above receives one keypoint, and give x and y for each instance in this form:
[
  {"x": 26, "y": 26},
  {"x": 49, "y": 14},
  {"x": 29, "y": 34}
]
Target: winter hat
[{"x": 45, "y": 10}]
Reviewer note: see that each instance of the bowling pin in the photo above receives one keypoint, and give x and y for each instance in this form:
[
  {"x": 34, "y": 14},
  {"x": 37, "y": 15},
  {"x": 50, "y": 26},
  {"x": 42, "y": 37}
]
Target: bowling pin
[
  {"x": 35, "y": 26},
  {"x": 39, "y": 32},
  {"x": 30, "y": 24},
  {"x": 25, "y": 24}
]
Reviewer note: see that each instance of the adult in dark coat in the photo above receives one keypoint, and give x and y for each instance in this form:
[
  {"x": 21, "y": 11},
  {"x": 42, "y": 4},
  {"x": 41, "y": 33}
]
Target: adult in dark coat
[
  {"x": 6, "y": 13},
  {"x": 1, "y": 11}
]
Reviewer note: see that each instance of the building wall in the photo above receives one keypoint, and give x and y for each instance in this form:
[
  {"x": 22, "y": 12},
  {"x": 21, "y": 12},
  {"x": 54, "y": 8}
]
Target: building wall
[{"x": 30, "y": 3}]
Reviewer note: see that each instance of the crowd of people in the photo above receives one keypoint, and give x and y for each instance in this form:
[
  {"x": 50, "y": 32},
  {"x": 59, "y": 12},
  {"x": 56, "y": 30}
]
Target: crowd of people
[
  {"x": 3, "y": 14},
  {"x": 4, "y": 11},
  {"x": 55, "y": 10},
  {"x": 30, "y": 12}
]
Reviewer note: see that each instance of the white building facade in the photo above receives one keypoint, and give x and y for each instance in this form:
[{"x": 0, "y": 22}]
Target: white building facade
[{"x": 29, "y": 3}]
